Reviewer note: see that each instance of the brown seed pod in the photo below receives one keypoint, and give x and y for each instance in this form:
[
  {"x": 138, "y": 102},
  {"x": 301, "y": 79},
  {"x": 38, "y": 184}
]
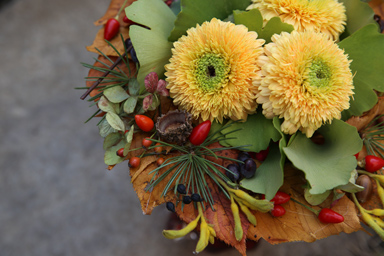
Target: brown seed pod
[
  {"x": 175, "y": 127},
  {"x": 366, "y": 182}
]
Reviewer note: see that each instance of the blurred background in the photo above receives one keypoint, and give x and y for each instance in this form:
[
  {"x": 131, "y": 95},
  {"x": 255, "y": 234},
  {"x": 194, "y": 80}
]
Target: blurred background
[{"x": 57, "y": 198}]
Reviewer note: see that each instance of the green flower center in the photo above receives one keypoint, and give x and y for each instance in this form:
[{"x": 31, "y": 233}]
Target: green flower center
[
  {"x": 211, "y": 72},
  {"x": 319, "y": 74}
]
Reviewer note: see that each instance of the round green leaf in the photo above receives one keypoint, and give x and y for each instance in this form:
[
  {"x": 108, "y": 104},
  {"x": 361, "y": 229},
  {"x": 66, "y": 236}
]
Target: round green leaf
[
  {"x": 254, "y": 22},
  {"x": 366, "y": 50},
  {"x": 197, "y": 11},
  {"x": 111, "y": 139},
  {"x": 115, "y": 122},
  {"x": 105, "y": 105},
  {"x": 152, "y": 47},
  {"x": 110, "y": 157},
  {"x": 130, "y": 104},
  {"x": 105, "y": 128},
  {"x": 116, "y": 94},
  {"x": 359, "y": 14},
  {"x": 257, "y": 132},
  {"x": 269, "y": 176},
  {"x": 328, "y": 165}
]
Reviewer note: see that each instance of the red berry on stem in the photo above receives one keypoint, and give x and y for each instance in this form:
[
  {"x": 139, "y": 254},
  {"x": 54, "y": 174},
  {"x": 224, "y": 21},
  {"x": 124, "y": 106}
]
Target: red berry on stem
[
  {"x": 145, "y": 123},
  {"x": 128, "y": 21},
  {"x": 373, "y": 163},
  {"x": 281, "y": 198},
  {"x": 158, "y": 148},
  {"x": 160, "y": 161},
  {"x": 278, "y": 211},
  {"x": 111, "y": 28},
  {"x": 146, "y": 142},
  {"x": 120, "y": 152},
  {"x": 327, "y": 215},
  {"x": 200, "y": 133},
  {"x": 357, "y": 155},
  {"x": 134, "y": 162}
]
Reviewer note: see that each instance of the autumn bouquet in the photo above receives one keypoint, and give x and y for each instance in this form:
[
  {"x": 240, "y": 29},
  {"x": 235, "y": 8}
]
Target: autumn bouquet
[{"x": 249, "y": 119}]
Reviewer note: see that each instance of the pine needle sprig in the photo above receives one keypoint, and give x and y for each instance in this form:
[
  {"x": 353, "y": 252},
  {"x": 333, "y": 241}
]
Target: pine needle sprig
[
  {"x": 192, "y": 167},
  {"x": 372, "y": 136}
]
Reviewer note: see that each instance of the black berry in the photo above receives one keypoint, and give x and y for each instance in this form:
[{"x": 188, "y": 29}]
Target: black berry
[
  {"x": 170, "y": 206},
  {"x": 181, "y": 189},
  {"x": 187, "y": 199},
  {"x": 248, "y": 170},
  {"x": 243, "y": 156},
  {"x": 196, "y": 198},
  {"x": 233, "y": 174}
]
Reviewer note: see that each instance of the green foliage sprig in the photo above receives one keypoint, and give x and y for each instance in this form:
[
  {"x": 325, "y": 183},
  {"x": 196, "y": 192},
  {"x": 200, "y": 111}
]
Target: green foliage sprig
[{"x": 192, "y": 167}]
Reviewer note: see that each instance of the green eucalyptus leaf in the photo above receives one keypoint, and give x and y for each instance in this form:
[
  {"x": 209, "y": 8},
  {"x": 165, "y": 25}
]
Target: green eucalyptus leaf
[
  {"x": 129, "y": 135},
  {"x": 316, "y": 199},
  {"x": 130, "y": 104},
  {"x": 105, "y": 128},
  {"x": 152, "y": 47},
  {"x": 110, "y": 156},
  {"x": 115, "y": 121},
  {"x": 359, "y": 14},
  {"x": 106, "y": 106},
  {"x": 328, "y": 165},
  {"x": 129, "y": 139},
  {"x": 366, "y": 50},
  {"x": 134, "y": 87},
  {"x": 197, "y": 11},
  {"x": 111, "y": 139},
  {"x": 116, "y": 94},
  {"x": 269, "y": 176},
  {"x": 253, "y": 20},
  {"x": 257, "y": 132}
]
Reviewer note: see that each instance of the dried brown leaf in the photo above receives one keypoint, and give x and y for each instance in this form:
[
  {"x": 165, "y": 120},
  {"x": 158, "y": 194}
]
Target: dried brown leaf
[{"x": 299, "y": 224}]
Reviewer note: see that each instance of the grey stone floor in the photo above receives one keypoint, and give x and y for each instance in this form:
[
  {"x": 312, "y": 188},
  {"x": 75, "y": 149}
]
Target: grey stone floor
[{"x": 57, "y": 198}]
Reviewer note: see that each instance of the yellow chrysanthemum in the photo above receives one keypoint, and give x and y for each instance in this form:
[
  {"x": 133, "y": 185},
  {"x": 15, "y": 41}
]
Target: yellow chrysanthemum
[
  {"x": 212, "y": 70},
  {"x": 305, "y": 79},
  {"x": 325, "y": 16}
]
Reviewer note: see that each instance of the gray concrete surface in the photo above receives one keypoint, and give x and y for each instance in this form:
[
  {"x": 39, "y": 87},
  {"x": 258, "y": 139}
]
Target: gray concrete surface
[{"x": 57, "y": 198}]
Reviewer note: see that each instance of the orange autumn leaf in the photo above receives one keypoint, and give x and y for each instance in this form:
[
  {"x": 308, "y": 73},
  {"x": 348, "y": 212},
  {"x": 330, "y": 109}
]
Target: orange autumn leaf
[
  {"x": 300, "y": 224},
  {"x": 99, "y": 42},
  {"x": 142, "y": 177}
]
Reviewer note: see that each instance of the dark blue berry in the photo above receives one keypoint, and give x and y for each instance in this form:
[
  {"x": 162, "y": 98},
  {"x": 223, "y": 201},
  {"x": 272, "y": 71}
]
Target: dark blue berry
[
  {"x": 233, "y": 174},
  {"x": 181, "y": 189},
  {"x": 170, "y": 206},
  {"x": 243, "y": 156},
  {"x": 187, "y": 199},
  {"x": 248, "y": 170},
  {"x": 196, "y": 198}
]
